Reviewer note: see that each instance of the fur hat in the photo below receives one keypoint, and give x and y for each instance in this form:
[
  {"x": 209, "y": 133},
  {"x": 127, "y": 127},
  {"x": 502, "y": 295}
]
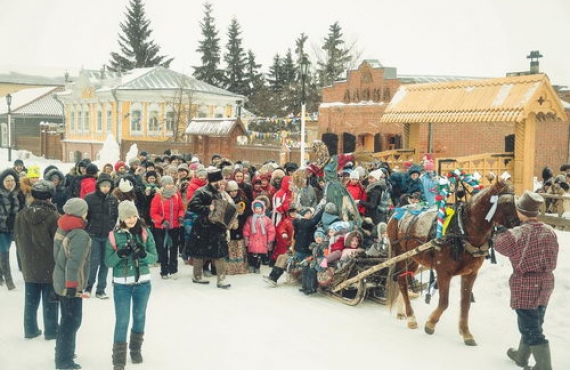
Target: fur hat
[
  {"x": 75, "y": 207},
  {"x": 227, "y": 171},
  {"x": 43, "y": 190},
  {"x": 529, "y": 203},
  {"x": 91, "y": 169},
  {"x": 104, "y": 178},
  {"x": 415, "y": 169},
  {"x": 125, "y": 185},
  {"x": 216, "y": 156},
  {"x": 33, "y": 172},
  {"x": 215, "y": 175},
  {"x": 134, "y": 161},
  {"x": 201, "y": 172},
  {"x": 231, "y": 186},
  {"x": 167, "y": 180},
  {"x": 127, "y": 209}
]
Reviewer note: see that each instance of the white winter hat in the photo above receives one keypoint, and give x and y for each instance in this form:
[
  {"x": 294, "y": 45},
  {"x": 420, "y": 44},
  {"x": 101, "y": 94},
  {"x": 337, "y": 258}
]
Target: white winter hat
[
  {"x": 354, "y": 174},
  {"x": 377, "y": 174},
  {"x": 125, "y": 185}
]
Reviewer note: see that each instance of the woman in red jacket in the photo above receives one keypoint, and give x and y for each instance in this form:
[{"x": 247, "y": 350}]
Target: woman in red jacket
[{"x": 167, "y": 214}]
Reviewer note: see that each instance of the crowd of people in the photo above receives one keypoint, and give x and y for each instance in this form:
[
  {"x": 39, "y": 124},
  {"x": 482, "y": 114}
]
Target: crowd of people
[{"x": 70, "y": 229}]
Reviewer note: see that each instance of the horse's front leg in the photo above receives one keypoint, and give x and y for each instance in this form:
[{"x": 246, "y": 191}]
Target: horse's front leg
[
  {"x": 467, "y": 282},
  {"x": 443, "y": 281}
]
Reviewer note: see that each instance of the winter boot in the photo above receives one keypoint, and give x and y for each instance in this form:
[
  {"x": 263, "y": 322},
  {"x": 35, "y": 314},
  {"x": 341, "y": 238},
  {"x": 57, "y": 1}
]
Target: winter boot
[
  {"x": 274, "y": 275},
  {"x": 119, "y": 356},
  {"x": 520, "y": 356},
  {"x": 305, "y": 279},
  {"x": 541, "y": 354},
  {"x": 135, "y": 345},
  {"x": 312, "y": 283},
  {"x": 5, "y": 267}
]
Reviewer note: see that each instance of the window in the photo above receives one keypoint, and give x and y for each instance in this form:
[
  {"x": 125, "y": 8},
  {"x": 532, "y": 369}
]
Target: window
[
  {"x": 109, "y": 119},
  {"x": 169, "y": 122},
  {"x": 86, "y": 121},
  {"x": 154, "y": 126},
  {"x": 202, "y": 111},
  {"x": 136, "y": 116},
  {"x": 72, "y": 121},
  {"x": 99, "y": 120},
  {"x": 219, "y": 112},
  {"x": 80, "y": 121}
]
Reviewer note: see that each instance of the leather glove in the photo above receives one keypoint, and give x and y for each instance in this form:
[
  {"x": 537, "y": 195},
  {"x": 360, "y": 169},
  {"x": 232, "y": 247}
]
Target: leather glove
[
  {"x": 71, "y": 292},
  {"x": 125, "y": 251}
]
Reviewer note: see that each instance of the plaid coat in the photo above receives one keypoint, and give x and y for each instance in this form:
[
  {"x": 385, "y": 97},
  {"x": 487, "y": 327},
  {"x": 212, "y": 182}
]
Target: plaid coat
[{"x": 532, "y": 249}]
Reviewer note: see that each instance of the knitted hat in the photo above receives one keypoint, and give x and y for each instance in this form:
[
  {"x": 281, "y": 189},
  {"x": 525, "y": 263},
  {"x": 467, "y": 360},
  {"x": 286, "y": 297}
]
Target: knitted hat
[
  {"x": 91, "y": 169},
  {"x": 75, "y": 207},
  {"x": 167, "y": 180},
  {"x": 134, "y": 161},
  {"x": 18, "y": 162},
  {"x": 43, "y": 190},
  {"x": 118, "y": 165},
  {"x": 529, "y": 203},
  {"x": 231, "y": 186},
  {"x": 127, "y": 209},
  {"x": 305, "y": 210},
  {"x": 201, "y": 172},
  {"x": 330, "y": 208},
  {"x": 216, "y": 156},
  {"x": 355, "y": 174},
  {"x": 257, "y": 204},
  {"x": 125, "y": 185},
  {"x": 227, "y": 171},
  {"x": 33, "y": 172},
  {"x": 377, "y": 174},
  {"x": 195, "y": 160},
  {"x": 215, "y": 175},
  {"x": 319, "y": 234},
  {"x": 183, "y": 167}
]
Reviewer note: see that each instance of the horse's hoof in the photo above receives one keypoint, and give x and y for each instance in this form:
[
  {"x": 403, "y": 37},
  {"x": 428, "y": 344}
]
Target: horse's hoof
[
  {"x": 401, "y": 316},
  {"x": 412, "y": 325},
  {"x": 429, "y": 329},
  {"x": 469, "y": 342}
]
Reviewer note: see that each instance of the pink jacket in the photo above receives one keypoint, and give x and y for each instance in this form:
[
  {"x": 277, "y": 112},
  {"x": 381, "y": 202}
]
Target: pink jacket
[{"x": 258, "y": 242}]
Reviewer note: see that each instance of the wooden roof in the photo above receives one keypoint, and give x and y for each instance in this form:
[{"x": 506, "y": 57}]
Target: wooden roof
[{"x": 509, "y": 99}]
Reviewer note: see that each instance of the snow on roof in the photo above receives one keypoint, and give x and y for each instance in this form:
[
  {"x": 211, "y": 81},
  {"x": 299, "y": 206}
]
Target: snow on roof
[
  {"x": 33, "y": 101},
  {"x": 211, "y": 127}
]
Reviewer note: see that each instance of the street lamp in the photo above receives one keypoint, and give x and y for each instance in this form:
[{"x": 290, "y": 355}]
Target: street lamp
[
  {"x": 304, "y": 72},
  {"x": 9, "y": 103}
]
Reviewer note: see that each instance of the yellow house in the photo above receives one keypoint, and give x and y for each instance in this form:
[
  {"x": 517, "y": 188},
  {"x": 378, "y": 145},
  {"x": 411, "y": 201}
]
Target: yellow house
[{"x": 144, "y": 105}]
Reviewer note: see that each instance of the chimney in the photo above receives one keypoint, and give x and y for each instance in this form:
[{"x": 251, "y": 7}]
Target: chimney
[{"x": 534, "y": 56}]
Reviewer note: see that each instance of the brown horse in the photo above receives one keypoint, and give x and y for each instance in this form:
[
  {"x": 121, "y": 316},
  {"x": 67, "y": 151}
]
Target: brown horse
[{"x": 460, "y": 253}]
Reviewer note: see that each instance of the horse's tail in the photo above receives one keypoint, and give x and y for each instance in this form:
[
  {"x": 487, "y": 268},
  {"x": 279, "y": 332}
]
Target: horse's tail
[{"x": 393, "y": 292}]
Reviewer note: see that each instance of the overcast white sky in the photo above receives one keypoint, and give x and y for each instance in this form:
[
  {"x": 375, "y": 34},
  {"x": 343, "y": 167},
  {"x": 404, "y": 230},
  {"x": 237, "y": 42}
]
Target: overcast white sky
[{"x": 484, "y": 38}]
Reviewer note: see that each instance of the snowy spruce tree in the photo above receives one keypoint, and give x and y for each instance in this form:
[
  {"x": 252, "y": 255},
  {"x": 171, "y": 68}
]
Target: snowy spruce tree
[
  {"x": 137, "y": 50},
  {"x": 209, "y": 47},
  {"x": 337, "y": 57},
  {"x": 235, "y": 58}
]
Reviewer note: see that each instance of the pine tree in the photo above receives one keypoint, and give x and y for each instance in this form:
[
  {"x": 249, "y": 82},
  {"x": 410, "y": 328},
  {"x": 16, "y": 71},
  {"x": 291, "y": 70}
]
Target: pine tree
[
  {"x": 253, "y": 77},
  {"x": 235, "y": 59},
  {"x": 137, "y": 50},
  {"x": 275, "y": 76},
  {"x": 338, "y": 57},
  {"x": 288, "y": 69},
  {"x": 209, "y": 71}
]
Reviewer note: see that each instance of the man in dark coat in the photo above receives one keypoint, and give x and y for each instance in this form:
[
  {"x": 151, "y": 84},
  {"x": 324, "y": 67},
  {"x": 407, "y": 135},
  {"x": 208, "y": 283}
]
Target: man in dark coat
[
  {"x": 34, "y": 230},
  {"x": 208, "y": 240}
]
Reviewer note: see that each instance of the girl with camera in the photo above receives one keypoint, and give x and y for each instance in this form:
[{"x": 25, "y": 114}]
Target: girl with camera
[{"x": 129, "y": 251}]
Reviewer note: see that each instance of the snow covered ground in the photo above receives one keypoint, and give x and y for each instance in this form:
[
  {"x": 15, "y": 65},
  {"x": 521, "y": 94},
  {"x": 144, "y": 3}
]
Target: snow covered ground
[{"x": 252, "y": 326}]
